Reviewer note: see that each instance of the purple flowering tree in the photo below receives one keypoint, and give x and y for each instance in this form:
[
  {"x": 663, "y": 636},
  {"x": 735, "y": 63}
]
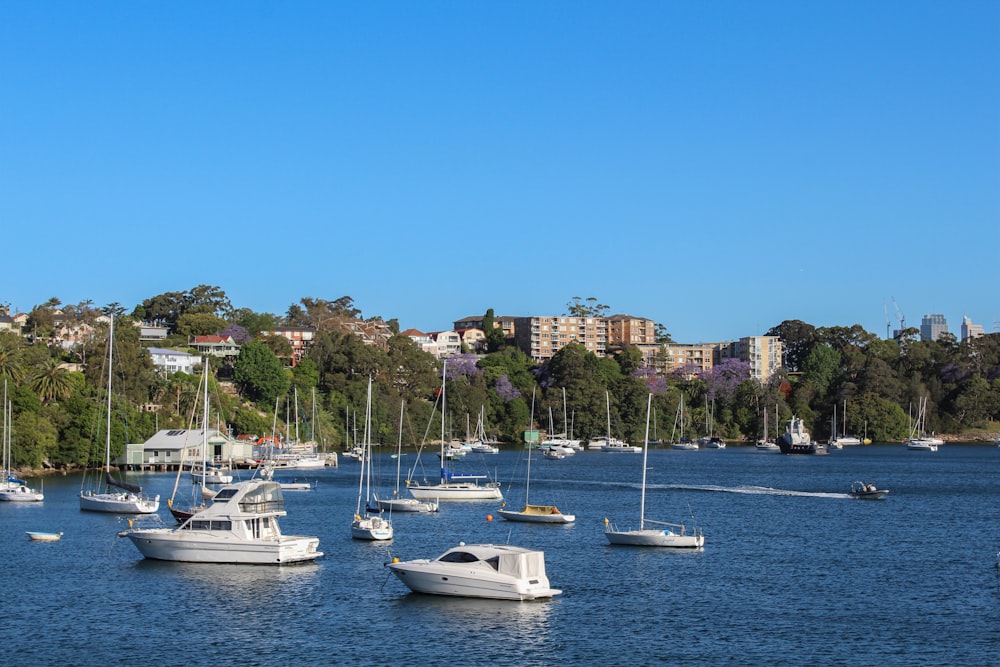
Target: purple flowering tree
[
  {"x": 723, "y": 379},
  {"x": 463, "y": 366},
  {"x": 505, "y": 389},
  {"x": 238, "y": 333}
]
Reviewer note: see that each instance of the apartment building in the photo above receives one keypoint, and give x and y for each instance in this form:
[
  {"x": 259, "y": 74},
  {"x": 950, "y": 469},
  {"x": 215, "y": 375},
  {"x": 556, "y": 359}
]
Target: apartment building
[
  {"x": 688, "y": 360},
  {"x": 301, "y": 338},
  {"x": 540, "y": 337},
  {"x": 629, "y": 330},
  {"x": 765, "y": 354}
]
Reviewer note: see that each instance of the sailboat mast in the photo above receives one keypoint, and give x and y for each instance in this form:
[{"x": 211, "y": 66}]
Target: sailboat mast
[
  {"x": 204, "y": 429},
  {"x": 364, "y": 443},
  {"x": 531, "y": 425},
  {"x": 565, "y": 422},
  {"x": 399, "y": 445},
  {"x": 444, "y": 374},
  {"x": 107, "y": 442},
  {"x": 645, "y": 453}
]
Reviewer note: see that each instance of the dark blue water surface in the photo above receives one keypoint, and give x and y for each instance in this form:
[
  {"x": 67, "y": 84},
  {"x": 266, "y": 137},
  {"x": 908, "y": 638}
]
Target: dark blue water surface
[{"x": 793, "y": 571}]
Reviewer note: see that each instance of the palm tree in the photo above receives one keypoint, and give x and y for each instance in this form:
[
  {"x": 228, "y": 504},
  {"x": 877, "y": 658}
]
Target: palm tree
[
  {"x": 10, "y": 364},
  {"x": 50, "y": 381}
]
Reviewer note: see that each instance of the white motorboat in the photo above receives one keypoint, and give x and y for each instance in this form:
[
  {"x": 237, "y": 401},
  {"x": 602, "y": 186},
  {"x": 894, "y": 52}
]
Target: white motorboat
[
  {"x": 671, "y": 535},
  {"x": 715, "y": 443},
  {"x": 207, "y": 473},
  {"x": 239, "y": 527},
  {"x": 454, "y": 486},
  {"x": 116, "y": 496},
  {"x": 368, "y": 526},
  {"x": 494, "y": 571},
  {"x": 553, "y": 454},
  {"x": 796, "y": 439}
]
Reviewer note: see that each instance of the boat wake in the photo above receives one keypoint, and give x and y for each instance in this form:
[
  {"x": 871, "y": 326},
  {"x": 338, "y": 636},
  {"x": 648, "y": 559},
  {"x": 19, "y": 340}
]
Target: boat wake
[{"x": 754, "y": 490}]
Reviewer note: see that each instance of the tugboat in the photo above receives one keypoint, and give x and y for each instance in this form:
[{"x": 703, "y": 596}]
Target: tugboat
[{"x": 796, "y": 439}]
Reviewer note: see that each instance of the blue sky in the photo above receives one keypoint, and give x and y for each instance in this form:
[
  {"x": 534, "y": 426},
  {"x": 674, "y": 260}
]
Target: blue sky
[{"x": 718, "y": 167}]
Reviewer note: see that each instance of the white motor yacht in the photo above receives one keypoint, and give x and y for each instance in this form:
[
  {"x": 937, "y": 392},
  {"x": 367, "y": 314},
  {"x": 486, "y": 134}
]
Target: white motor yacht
[
  {"x": 495, "y": 571},
  {"x": 240, "y": 526}
]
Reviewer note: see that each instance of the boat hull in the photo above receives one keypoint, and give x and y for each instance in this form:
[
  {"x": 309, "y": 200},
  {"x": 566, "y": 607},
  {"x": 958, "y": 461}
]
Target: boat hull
[
  {"x": 463, "y": 491},
  {"x": 21, "y": 494},
  {"x": 425, "y": 577},
  {"x": 654, "y": 538},
  {"x": 119, "y": 503},
  {"x": 43, "y": 537},
  {"x": 169, "y": 545},
  {"x": 869, "y": 495},
  {"x": 406, "y": 505},
  {"x": 371, "y": 528},
  {"x": 536, "y": 517}
]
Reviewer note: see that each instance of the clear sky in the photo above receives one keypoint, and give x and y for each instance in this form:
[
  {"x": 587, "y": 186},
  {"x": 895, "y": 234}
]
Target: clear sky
[{"x": 716, "y": 166}]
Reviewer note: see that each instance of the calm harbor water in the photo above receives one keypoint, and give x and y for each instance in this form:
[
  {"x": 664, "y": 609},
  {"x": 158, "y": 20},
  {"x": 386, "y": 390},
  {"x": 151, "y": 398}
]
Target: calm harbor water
[{"x": 794, "y": 572}]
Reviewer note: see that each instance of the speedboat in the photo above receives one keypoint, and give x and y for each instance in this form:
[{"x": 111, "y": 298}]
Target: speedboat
[
  {"x": 494, "y": 571},
  {"x": 767, "y": 446},
  {"x": 240, "y": 526},
  {"x": 864, "y": 491},
  {"x": 715, "y": 443}
]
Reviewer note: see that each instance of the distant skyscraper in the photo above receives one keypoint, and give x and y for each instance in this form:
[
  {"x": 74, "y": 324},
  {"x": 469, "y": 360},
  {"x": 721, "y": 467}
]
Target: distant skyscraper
[
  {"x": 932, "y": 326},
  {"x": 970, "y": 330}
]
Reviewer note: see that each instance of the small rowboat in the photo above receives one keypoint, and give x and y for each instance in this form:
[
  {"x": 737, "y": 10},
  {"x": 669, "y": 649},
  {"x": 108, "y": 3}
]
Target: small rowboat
[{"x": 43, "y": 537}]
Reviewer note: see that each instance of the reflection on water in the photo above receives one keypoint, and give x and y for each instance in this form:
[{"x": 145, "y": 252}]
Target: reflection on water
[
  {"x": 529, "y": 619},
  {"x": 232, "y": 585}
]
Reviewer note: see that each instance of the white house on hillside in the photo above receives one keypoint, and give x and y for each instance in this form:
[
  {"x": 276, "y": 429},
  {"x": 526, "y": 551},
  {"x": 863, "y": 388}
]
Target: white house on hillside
[{"x": 173, "y": 361}]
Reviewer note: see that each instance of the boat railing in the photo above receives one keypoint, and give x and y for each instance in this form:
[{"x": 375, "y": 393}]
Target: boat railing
[{"x": 679, "y": 526}]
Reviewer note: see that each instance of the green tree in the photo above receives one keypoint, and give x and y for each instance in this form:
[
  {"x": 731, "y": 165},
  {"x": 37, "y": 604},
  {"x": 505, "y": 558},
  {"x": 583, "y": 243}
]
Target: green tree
[
  {"x": 51, "y": 381},
  {"x": 820, "y": 367},
  {"x": 495, "y": 338},
  {"x": 199, "y": 324},
  {"x": 259, "y": 374}
]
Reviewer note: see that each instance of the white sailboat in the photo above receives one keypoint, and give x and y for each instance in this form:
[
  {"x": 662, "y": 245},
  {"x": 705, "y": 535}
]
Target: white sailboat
[
  {"x": 672, "y": 535},
  {"x": 919, "y": 440},
  {"x": 611, "y": 443},
  {"x": 116, "y": 496},
  {"x": 682, "y": 442},
  {"x": 765, "y": 445},
  {"x": 534, "y": 513},
  {"x": 453, "y": 486},
  {"x": 843, "y": 440},
  {"x": 13, "y": 489},
  {"x": 182, "y": 515},
  {"x": 398, "y": 503},
  {"x": 367, "y": 526}
]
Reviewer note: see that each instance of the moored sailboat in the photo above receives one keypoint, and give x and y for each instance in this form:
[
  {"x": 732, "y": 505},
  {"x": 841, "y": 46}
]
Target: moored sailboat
[
  {"x": 116, "y": 496},
  {"x": 367, "y": 526},
  {"x": 454, "y": 486},
  {"x": 534, "y": 513},
  {"x": 672, "y": 535}
]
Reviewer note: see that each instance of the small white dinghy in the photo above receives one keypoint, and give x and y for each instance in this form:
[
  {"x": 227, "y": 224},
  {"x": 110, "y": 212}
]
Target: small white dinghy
[{"x": 43, "y": 537}]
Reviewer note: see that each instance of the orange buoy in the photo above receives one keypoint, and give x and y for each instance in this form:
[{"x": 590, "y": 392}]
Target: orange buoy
[{"x": 489, "y": 517}]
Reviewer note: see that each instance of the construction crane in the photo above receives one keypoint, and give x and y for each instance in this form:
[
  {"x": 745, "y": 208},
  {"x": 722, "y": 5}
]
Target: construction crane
[
  {"x": 888, "y": 323},
  {"x": 899, "y": 316}
]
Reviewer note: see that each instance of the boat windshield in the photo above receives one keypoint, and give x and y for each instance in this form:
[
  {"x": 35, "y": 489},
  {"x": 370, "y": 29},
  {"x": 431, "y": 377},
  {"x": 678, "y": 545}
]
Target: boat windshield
[{"x": 265, "y": 498}]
